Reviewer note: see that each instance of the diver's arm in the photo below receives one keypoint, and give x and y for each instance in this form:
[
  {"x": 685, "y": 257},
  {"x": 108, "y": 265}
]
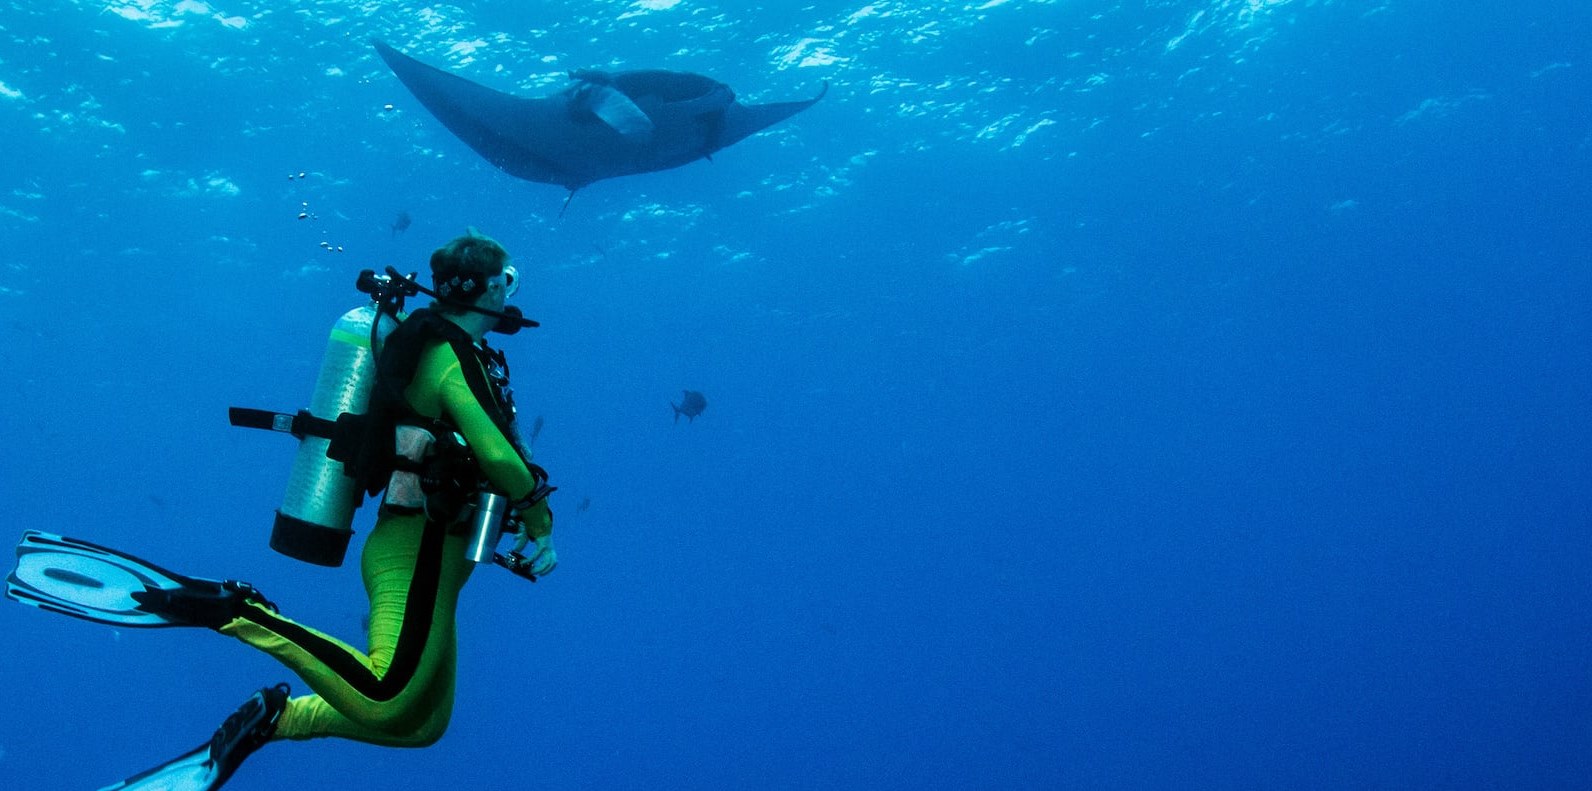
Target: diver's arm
[
  {"x": 500, "y": 461},
  {"x": 495, "y": 453}
]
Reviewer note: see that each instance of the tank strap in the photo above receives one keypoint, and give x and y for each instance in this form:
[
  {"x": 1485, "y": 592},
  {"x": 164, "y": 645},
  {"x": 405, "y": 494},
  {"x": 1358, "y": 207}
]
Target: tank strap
[
  {"x": 301, "y": 425},
  {"x": 347, "y": 428},
  {"x": 344, "y": 434}
]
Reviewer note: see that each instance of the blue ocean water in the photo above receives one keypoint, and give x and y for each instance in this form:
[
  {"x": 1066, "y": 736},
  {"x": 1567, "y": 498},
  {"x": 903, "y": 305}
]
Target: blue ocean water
[{"x": 1101, "y": 395}]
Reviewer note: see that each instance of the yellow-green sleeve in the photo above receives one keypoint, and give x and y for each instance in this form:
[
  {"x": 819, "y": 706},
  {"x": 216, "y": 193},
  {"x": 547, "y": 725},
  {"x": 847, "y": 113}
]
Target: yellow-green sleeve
[{"x": 440, "y": 390}]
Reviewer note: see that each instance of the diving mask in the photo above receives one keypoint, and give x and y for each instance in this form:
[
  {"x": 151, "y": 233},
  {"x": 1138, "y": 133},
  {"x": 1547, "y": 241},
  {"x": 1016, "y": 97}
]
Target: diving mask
[{"x": 511, "y": 281}]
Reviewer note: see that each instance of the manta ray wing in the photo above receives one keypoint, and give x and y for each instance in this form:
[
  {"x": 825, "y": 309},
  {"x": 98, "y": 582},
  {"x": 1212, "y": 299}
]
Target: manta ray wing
[
  {"x": 527, "y": 138},
  {"x": 743, "y": 120}
]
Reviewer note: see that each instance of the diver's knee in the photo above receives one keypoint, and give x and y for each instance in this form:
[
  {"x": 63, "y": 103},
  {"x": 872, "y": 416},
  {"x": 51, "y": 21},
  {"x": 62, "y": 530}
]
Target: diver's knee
[
  {"x": 428, "y": 733},
  {"x": 407, "y": 732},
  {"x": 427, "y": 736},
  {"x": 437, "y": 725}
]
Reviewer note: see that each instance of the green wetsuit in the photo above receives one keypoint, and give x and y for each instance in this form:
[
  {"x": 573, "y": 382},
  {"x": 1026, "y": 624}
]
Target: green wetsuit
[{"x": 400, "y": 692}]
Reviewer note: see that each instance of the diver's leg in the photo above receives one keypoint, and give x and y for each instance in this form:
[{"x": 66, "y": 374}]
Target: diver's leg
[
  {"x": 312, "y": 717},
  {"x": 413, "y": 573}
]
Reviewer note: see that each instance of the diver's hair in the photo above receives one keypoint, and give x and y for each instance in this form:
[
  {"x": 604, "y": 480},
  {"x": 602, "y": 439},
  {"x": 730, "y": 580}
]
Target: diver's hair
[{"x": 459, "y": 269}]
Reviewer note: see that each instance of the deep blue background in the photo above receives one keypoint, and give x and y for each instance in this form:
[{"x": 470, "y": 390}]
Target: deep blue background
[{"x": 1162, "y": 395}]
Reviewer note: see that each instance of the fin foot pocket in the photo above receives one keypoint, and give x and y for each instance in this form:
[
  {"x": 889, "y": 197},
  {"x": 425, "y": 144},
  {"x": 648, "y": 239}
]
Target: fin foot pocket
[
  {"x": 201, "y": 603},
  {"x": 247, "y": 730},
  {"x": 208, "y": 766}
]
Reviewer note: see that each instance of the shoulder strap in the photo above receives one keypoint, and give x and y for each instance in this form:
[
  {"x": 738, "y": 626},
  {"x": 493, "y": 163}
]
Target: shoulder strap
[{"x": 473, "y": 365}]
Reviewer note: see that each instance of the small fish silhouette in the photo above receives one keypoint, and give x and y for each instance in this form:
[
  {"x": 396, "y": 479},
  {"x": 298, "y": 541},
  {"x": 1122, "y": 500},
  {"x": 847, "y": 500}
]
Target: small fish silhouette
[
  {"x": 585, "y": 505},
  {"x": 536, "y": 429},
  {"x": 690, "y": 405},
  {"x": 401, "y": 224}
]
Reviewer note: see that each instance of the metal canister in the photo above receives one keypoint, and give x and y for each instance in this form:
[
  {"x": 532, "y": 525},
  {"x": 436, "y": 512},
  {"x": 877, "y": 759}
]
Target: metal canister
[{"x": 486, "y": 525}]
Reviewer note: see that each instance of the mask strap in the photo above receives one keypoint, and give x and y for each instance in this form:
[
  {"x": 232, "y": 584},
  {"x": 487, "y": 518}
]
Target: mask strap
[{"x": 510, "y": 320}]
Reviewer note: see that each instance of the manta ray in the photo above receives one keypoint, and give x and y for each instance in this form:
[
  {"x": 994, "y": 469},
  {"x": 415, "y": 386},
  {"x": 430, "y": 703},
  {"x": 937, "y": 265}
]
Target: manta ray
[{"x": 603, "y": 125}]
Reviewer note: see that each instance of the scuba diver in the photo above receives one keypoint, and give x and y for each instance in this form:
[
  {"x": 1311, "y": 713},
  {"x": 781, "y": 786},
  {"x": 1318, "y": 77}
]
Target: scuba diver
[{"x": 438, "y": 435}]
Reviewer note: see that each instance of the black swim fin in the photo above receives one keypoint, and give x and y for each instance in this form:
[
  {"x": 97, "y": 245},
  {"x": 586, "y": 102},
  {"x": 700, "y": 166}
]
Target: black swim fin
[
  {"x": 85, "y": 580},
  {"x": 209, "y": 765}
]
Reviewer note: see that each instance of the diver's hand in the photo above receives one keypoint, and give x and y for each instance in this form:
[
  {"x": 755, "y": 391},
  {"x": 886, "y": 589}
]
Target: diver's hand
[
  {"x": 529, "y": 522},
  {"x": 535, "y": 523},
  {"x": 544, "y": 559}
]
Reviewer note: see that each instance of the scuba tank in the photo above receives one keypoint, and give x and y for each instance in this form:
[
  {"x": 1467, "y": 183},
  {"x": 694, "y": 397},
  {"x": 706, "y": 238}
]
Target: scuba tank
[{"x": 316, "y": 519}]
